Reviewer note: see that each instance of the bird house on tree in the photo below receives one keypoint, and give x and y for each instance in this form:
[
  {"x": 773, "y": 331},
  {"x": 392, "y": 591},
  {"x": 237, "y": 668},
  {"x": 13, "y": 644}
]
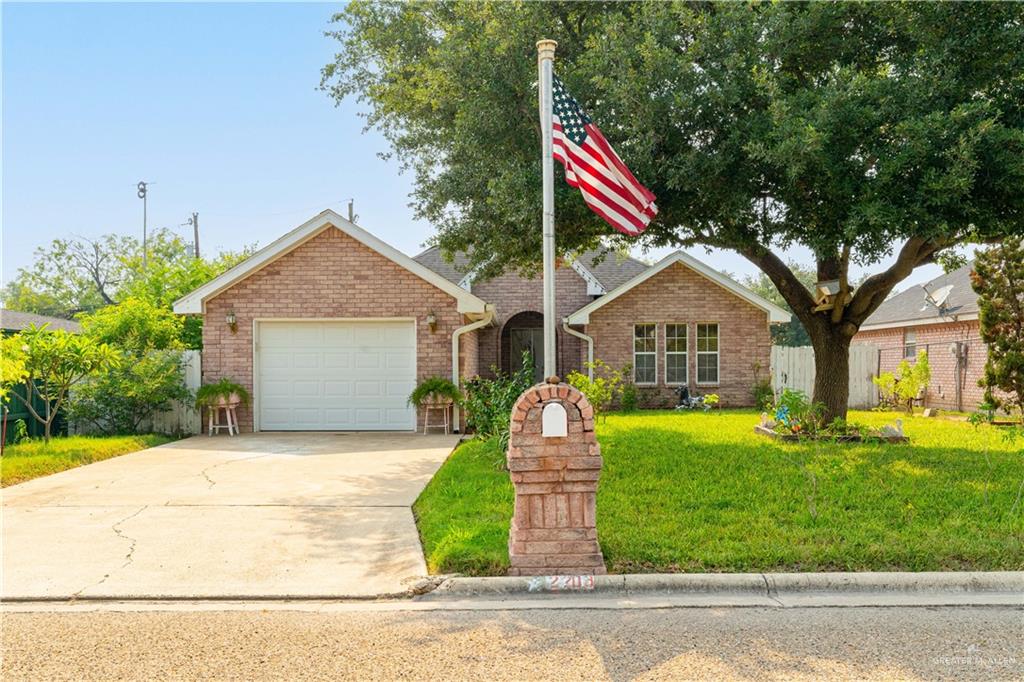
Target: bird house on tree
[{"x": 826, "y": 295}]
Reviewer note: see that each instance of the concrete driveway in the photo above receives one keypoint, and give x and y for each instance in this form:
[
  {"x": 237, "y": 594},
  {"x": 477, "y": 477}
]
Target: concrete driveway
[{"x": 268, "y": 514}]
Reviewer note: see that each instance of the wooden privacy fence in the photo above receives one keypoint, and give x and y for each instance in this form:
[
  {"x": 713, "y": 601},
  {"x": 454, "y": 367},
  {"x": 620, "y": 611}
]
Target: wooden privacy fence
[
  {"x": 182, "y": 418},
  {"x": 793, "y": 368}
]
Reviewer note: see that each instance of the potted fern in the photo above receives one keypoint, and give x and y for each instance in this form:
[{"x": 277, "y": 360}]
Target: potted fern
[
  {"x": 435, "y": 392},
  {"x": 223, "y": 393}
]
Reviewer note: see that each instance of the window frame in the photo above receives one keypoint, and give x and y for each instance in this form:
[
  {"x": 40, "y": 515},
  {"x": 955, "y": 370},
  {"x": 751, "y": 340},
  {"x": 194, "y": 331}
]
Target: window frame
[
  {"x": 654, "y": 353},
  {"x": 717, "y": 353},
  {"x": 909, "y": 347},
  {"x": 685, "y": 353}
]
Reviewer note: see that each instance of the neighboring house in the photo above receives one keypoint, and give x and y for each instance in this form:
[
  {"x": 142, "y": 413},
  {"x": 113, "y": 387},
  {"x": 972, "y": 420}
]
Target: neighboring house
[
  {"x": 940, "y": 317},
  {"x": 332, "y": 328},
  {"x": 12, "y": 322}
]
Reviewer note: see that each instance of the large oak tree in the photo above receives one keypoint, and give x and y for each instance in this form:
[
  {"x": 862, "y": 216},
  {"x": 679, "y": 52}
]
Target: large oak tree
[{"x": 868, "y": 133}]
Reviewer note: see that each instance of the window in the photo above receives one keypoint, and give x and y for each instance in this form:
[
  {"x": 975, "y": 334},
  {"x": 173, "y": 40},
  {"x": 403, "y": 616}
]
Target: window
[
  {"x": 909, "y": 343},
  {"x": 675, "y": 353},
  {"x": 707, "y": 354},
  {"x": 645, "y": 353}
]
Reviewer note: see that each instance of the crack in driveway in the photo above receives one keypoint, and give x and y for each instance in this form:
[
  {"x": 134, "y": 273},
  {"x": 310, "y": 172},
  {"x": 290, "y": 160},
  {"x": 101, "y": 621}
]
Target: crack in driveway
[
  {"x": 127, "y": 557},
  {"x": 205, "y": 473}
]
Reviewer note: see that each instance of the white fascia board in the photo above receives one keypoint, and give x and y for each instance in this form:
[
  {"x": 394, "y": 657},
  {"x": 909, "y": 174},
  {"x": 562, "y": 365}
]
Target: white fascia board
[
  {"x": 775, "y": 313},
  {"x": 951, "y": 319},
  {"x": 594, "y": 286},
  {"x": 194, "y": 302}
]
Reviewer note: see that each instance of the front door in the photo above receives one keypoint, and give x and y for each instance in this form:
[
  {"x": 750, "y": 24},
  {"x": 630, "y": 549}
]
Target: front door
[{"x": 528, "y": 340}]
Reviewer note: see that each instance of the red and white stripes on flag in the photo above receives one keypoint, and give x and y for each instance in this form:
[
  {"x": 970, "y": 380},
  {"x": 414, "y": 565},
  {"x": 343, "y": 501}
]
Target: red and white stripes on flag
[{"x": 593, "y": 167}]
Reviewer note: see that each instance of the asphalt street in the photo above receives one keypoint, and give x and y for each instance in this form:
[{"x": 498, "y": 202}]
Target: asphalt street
[{"x": 366, "y": 642}]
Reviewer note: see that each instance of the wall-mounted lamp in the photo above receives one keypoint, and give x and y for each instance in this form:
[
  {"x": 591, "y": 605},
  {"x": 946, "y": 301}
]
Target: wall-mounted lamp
[
  {"x": 232, "y": 321},
  {"x": 432, "y": 322}
]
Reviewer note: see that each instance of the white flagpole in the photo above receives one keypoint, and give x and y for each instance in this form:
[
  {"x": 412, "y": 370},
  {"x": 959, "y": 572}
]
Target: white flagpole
[{"x": 545, "y": 65}]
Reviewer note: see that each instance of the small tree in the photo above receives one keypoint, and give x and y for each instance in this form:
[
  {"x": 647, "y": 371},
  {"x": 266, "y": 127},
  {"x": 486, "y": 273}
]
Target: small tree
[
  {"x": 998, "y": 279},
  {"x": 911, "y": 382},
  {"x": 54, "y": 361},
  {"x": 602, "y": 389},
  {"x": 149, "y": 375},
  {"x": 12, "y": 373}
]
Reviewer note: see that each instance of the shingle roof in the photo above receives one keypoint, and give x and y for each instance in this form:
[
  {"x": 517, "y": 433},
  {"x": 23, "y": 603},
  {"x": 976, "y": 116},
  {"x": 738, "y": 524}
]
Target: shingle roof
[
  {"x": 911, "y": 306},
  {"x": 17, "y": 320},
  {"x": 612, "y": 271}
]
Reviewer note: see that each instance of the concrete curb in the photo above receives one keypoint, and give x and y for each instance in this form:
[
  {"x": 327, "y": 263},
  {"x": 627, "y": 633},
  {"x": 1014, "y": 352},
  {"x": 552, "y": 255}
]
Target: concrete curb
[{"x": 765, "y": 585}]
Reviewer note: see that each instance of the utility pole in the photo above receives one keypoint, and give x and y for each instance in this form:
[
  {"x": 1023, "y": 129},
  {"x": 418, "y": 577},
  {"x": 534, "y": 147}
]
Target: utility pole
[
  {"x": 194, "y": 222},
  {"x": 142, "y": 195}
]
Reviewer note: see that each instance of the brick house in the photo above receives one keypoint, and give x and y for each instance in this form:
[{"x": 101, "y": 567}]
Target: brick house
[
  {"x": 330, "y": 328},
  {"x": 940, "y": 317}
]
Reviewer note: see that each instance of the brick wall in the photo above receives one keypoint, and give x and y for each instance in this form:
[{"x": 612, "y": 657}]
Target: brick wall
[
  {"x": 680, "y": 295},
  {"x": 511, "y": 294},
  {"x": 330, "y": 275},
  {"x": 936, "y": 338}
]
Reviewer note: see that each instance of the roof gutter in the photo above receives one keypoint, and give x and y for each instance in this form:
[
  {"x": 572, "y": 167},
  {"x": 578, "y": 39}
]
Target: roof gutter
[
  {"x": 590, "y": 345},
  {"x": 488, "y": 318}
]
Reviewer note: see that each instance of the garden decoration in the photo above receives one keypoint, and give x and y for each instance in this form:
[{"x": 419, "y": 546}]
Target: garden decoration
[
  {"x": 437, "y": 394},
  {"x": 223, "y": 395},
  {"x": 690, "y": 402},
  {"x": 794, "y": 418}
]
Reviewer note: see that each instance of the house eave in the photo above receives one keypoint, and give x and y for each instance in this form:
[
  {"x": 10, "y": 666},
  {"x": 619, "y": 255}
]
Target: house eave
[
  {"x": 194, "y": 303},
  {"x": 775, "y": 313}
]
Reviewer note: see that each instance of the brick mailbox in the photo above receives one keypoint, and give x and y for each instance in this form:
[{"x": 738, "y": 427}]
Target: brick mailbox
[{"x": 555, "y": 462}]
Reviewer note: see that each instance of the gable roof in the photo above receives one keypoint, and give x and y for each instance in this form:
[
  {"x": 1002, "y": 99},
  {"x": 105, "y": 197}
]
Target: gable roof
[
  {"x": 911, "y": 307},
  {"x": 17, "y": 320},
  {"x": 775, "y": 313},
  {"x": 610, "y": 271},
  {"x": 195, "y": 302}
]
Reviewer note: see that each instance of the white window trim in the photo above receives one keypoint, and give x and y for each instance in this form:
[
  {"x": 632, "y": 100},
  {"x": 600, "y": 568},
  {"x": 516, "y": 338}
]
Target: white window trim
[
  {"x": 632, "y": 341},
  {"x": 685, "y": 354},
  {"x": 716, "y": 353}
]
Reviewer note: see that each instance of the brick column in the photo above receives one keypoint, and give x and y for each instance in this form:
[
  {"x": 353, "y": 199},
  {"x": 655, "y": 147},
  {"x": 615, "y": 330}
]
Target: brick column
[{"x": 554, "y": 529}]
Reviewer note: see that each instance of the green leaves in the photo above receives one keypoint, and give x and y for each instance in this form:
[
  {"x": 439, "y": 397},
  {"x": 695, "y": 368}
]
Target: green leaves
[{"x": 998, "y": 279}]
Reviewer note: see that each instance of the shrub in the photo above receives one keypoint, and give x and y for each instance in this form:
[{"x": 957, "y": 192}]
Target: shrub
[
  {"x": 630, "y": 399},
  {"x": 763, "y": 394},
  {"x": 149, "y": 376},
  {"x": 998, "y": 279},
  {"x": 434, "y": 389},
  {"x": 120, "y": 401},
  {"x": 602, "y": 389},
  {"x": 489, "y": 402}
]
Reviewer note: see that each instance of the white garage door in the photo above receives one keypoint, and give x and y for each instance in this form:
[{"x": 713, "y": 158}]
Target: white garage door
[{"x": 331, "y": 376}]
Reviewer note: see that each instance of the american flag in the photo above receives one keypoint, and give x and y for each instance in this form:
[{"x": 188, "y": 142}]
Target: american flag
[{"x": 593, "y": 167}]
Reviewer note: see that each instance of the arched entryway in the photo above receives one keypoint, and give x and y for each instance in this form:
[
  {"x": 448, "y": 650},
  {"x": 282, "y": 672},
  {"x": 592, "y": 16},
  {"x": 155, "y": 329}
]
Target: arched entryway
[{"x": 523, "y": 332}]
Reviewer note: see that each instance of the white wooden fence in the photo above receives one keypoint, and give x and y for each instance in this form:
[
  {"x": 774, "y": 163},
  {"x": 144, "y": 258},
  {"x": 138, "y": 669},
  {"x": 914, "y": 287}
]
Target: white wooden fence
[
  {"x": 793, "y": 368},
  {"x": 182, "y": 418}
]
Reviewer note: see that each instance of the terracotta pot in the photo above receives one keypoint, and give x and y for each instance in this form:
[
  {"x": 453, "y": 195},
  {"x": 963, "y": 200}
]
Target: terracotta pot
[{"x": 232, "y": 400}]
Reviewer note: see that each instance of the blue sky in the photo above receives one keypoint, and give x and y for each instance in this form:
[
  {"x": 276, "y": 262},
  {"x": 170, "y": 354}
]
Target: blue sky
[{"x": 217, "y": 105}]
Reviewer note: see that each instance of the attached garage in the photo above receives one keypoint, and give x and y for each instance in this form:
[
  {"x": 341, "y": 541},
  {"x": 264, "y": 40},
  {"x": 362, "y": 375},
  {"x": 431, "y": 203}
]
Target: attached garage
[
  {"x": 335, "y": 375},
  {"x": 331, "y": 329}
]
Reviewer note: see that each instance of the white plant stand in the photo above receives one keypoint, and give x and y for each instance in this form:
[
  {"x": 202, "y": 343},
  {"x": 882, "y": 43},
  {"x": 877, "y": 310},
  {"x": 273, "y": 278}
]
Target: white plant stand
[
  {"x": 443, "y": 407},
  {"x": 230, "y": 419}
]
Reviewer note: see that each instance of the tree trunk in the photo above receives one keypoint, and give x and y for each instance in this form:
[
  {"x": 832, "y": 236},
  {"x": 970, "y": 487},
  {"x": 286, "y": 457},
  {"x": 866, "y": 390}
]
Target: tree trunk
[{"x": 831, "y": 372}]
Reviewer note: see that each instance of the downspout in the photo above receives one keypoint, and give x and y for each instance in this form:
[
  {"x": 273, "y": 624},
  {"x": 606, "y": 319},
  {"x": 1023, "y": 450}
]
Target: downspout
[
  {"x": 590, "y": 345},
  {"x": 482, "y": 322}
]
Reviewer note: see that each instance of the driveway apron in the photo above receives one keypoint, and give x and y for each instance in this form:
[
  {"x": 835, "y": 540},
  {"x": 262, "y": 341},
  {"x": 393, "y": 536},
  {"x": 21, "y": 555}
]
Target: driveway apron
[{"x": 256, "y": 515}]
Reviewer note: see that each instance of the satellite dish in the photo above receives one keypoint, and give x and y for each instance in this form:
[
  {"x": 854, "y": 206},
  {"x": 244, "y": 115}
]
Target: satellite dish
[{"x": 938, "y": 297}]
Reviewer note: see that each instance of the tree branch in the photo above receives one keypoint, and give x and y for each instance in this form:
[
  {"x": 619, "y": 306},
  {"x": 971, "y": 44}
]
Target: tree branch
[
  {"x": 799, "y": 299},
  {"x": 873, "y": 291}
]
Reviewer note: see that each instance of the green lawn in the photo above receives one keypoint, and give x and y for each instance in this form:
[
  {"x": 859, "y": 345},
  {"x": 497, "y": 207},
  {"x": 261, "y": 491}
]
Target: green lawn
[
  {"x": 701, "y": 492},
  {"x": 34, "y": 458}
]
